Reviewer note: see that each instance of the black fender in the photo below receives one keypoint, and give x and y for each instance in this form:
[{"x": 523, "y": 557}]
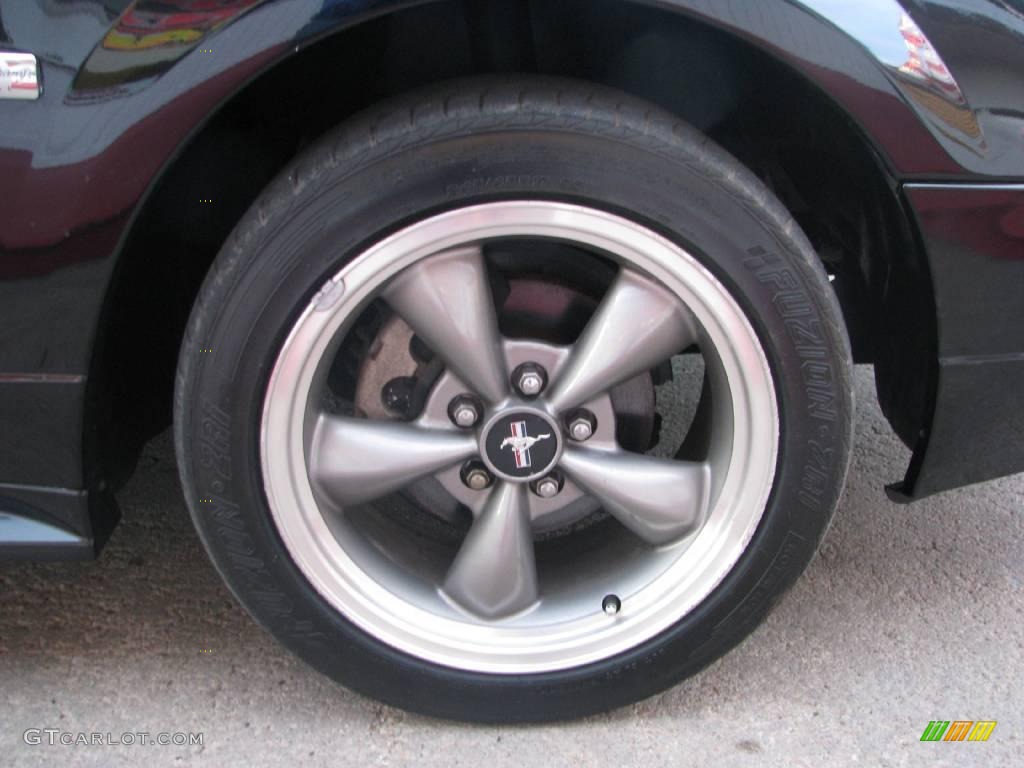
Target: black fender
[{"x": 116, "y": 108}]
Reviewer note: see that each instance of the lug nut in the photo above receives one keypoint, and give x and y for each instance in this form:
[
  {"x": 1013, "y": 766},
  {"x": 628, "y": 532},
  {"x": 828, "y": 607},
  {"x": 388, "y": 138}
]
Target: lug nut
[
  {"x": 530, "y": 384},
  {"x": 581, "y": 425},
  {"x": 476, "y": 476},
  {"x": 547, "y": 487},
  {"x": 464, "y": 411},
  {"x": 529, "y": 379}
]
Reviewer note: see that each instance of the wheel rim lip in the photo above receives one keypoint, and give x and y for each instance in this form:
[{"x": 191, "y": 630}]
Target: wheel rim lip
[{"x": 504, "y": 647}]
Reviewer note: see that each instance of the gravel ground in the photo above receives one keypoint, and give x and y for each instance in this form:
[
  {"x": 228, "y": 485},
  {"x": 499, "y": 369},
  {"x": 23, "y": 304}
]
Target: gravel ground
[{"x": 908, "y": 614}]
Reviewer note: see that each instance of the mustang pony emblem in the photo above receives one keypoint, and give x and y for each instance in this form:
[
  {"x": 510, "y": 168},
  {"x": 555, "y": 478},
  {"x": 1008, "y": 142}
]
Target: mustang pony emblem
[{"x": 520, "y": 443}]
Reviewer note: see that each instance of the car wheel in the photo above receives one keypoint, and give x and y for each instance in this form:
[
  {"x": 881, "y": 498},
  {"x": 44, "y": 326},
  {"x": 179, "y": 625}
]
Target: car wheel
[{"x": 513, "y": 400}]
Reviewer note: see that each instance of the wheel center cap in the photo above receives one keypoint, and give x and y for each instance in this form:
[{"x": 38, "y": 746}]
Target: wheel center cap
[{"x": 521, "y": 444}]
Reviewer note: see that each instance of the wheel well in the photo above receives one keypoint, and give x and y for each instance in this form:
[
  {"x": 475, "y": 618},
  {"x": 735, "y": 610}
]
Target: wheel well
[{"x": 786, "y": 130}]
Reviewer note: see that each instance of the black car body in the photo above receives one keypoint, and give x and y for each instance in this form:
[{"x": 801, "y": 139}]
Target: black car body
[{"x": 157, "y": 121}]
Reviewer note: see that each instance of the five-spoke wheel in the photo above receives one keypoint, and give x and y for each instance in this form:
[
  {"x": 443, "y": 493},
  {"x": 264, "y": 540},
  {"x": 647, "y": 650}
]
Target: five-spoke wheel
[
  {"x": 514, "y": 399},
  {"x": 515, "y": 429}
]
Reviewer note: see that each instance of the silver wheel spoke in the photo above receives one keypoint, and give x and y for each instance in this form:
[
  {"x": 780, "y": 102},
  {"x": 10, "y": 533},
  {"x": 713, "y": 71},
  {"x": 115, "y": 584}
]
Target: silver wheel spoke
[
  {"x": 660, "y": 500},
  {"x": 494, "y": 573},
  {"x": 447, "y": 301},
  {"x": 358, "y": 460},
  {"x": 638, "y": 325}
]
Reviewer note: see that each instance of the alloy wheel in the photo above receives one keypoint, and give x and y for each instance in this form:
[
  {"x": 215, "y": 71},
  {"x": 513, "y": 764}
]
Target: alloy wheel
[{"x": 516, "y": 430}]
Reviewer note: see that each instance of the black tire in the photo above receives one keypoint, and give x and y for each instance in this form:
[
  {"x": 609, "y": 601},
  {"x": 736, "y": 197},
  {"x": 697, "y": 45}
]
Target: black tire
[{"x": 464, "y": 143}]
